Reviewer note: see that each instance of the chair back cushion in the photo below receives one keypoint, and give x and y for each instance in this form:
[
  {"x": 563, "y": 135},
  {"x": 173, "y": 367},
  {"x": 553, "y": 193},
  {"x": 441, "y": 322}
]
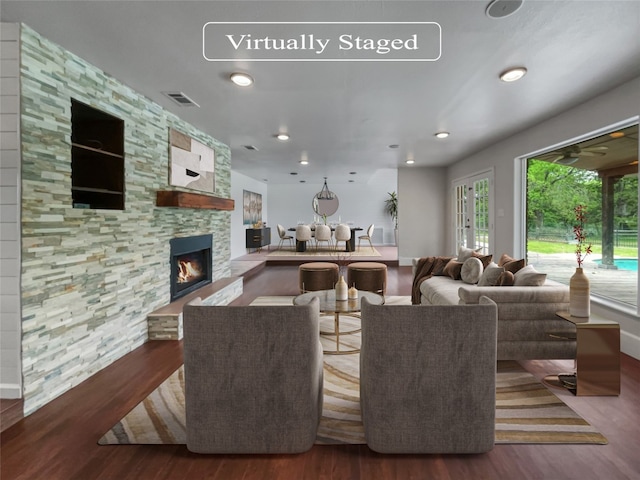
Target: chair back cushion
[
  {"x": 427, "y": 377},
  {"x": 303, "y": 233},
  {"x": 253, "y": 378},
  {"x": 323, "y": 232},
  {"x": 343, "y": 232}
]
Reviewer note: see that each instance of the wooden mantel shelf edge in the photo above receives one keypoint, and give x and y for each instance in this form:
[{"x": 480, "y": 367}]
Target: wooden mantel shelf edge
[{"x": 177, "y": 198}]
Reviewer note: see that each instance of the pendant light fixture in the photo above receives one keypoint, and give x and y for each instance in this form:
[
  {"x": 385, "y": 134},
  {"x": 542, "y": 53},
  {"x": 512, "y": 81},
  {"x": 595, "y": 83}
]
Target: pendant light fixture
[{"x": 325, "y": 193}]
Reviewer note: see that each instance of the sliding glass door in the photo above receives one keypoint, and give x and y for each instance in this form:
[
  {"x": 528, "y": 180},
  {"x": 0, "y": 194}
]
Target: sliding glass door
[{"x": 601, "y": 175}]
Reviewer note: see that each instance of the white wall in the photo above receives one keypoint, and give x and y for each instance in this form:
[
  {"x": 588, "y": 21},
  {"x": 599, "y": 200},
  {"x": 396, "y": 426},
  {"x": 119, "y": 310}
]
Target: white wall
[
  {"x": 360, "y": 203},
  {"x": 239, "y": 183},
  {"x": 614, "y": 106},
  {"x": 422, "y": 217},
  {"x": 10, "y": 330}
]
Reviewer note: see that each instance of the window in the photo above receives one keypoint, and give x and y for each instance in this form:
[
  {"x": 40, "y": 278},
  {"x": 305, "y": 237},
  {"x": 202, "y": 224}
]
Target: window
[{"x": 600, "y": 173}]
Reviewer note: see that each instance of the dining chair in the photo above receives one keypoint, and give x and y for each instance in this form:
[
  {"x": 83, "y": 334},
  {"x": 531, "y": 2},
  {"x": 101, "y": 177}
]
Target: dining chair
[
  {"x": 323, "y": 234},
  {"x": 366, "y": 237},
  {"x": 283, "y": 236},
  {"x": 303, "y": 233},
  {"x": 343, "y": 234}
]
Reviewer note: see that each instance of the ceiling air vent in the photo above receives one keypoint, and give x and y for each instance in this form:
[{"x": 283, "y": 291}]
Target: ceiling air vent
[
  {"x": 181, "y": 99},
  {"x": 250, "y": 147}
]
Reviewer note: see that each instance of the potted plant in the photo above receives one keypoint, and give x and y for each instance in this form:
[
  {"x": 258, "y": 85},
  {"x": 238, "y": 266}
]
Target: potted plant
[{"x": 391, "y": 207}]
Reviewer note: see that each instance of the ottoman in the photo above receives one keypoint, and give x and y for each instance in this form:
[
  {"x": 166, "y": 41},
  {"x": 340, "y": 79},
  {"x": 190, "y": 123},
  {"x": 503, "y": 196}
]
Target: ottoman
[
  {"x": 315, "y": 276},
  {"x": 369, "y": 276}
]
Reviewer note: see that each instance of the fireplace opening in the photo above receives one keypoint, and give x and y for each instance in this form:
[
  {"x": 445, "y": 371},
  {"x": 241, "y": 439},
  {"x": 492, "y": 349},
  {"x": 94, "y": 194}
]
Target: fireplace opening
[{"x": 190, "y": 264}]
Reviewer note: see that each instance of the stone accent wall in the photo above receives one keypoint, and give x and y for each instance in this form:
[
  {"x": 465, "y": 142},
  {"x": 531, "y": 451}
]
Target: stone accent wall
[
  {"x": 90, "y": 277},
  {"x": 169, "y": 326}
]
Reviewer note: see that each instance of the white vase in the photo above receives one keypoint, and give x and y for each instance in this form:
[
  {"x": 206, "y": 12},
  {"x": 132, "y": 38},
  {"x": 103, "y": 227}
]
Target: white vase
[
  {"x": 579, "y": 295},
  {"x": 342, "y": 291}
]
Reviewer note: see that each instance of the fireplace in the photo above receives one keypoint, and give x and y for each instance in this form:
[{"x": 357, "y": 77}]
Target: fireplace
[{"x": 190, "y": 264}]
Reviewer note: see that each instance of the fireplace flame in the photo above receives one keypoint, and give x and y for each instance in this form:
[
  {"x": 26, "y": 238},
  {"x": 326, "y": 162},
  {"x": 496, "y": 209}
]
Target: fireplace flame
[{"x": 188, "y": 271}]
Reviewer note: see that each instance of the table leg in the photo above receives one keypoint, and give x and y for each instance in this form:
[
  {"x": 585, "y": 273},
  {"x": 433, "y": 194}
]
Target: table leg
[
  {"x": 337, "y": 333},
  {"x": 336, "y": 324},
  {"x": 351, "y": 246}
]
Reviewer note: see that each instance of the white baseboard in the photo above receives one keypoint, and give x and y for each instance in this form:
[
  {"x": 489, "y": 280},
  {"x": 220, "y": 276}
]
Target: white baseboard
[
  {"x": 405, "y": 261},
  {"x": 10, "y": 390},
  {"x": 630, "y": 344}
]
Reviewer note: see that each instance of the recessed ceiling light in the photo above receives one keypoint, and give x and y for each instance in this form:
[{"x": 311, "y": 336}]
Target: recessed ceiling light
[
  {"x": 293, "y": 173},
  {"x": 410, "y": 161},
  {"x": 513, "y": 74},
  {"x": 616, "y": 134},
  {"x": 442, "y": 134},
  {"x": 241, "y": 79},
  {"x": 353, "y": 173},
  {"x": 394, "y": 145},
  {"x": 283, "y": 136},
  {"x": 304, "y": 162},
  {"x": 351, "y": 181},
  {"x": 502, "y": 8},
  {"x": 303, "y": 181}
]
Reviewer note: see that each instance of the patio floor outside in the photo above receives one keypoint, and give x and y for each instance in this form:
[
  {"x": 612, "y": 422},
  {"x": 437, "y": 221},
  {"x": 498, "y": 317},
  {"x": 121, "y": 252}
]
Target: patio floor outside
[{"x": 617, "y": 284}]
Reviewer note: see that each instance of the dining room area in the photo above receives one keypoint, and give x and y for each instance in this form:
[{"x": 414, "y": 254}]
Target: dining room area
[{"x": 338, "y": 220}]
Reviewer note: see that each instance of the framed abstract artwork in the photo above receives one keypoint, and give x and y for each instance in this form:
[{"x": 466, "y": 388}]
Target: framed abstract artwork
[
  {"x": 251, "y": 207},
  {"x": 191, "y": 163}
]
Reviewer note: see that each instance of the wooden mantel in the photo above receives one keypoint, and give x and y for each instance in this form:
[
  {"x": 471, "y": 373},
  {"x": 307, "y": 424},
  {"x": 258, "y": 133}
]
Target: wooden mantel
[{"x": 176, "y": 198}]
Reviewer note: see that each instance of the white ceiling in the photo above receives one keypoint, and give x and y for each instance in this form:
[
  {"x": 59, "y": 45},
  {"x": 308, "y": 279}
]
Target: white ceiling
[{"x": 344, "y": 115}]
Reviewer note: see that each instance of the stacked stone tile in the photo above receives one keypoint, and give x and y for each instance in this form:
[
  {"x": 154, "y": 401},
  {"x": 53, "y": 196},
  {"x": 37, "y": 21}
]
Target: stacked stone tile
[{"x": 91, "y": 277}]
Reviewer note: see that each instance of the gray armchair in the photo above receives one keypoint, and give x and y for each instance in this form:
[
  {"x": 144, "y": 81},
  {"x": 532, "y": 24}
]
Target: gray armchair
[
  {"x": 428, "y": 377},
  {"x": 253, "y": 378}
]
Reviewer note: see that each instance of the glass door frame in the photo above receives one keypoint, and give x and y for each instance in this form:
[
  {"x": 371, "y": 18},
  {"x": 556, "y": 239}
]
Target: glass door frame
[{"x": 470, "y": 215}]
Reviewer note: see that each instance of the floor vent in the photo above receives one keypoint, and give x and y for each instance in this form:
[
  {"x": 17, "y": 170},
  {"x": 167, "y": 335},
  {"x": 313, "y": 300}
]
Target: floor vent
[{"x": 181, "y": 99}]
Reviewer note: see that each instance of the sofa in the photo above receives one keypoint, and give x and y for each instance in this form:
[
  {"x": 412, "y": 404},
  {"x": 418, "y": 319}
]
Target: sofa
[
  {"x": 253, "y": 378},
  {"x": 528, "y": 327},
  {"x": 428, "y": 384}
]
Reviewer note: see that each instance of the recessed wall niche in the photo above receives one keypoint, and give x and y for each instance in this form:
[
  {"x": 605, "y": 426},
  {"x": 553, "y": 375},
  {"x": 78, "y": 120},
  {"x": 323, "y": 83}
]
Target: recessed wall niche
[{"x": 97, "y": 158}]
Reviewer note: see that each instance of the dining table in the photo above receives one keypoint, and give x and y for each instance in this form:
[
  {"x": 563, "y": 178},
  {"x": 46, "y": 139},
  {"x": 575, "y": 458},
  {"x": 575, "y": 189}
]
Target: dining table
[{"x": 301, "y": 246}]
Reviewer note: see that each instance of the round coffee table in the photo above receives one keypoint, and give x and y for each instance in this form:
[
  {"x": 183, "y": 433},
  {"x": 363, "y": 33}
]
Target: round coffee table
[{"x": 329, "y": 304}]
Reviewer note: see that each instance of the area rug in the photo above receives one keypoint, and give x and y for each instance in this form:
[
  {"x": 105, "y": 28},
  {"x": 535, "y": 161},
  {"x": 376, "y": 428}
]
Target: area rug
[
  {"x": 526, "y": 412},
  {"x": 338, "y": 255}
]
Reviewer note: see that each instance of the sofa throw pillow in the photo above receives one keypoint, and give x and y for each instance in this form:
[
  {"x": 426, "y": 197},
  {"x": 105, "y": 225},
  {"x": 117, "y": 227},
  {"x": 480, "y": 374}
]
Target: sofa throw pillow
[
  {"x": 439, "y": 264},
  {"x": 504, "y": 258},
  {"x": 453, "y": 269},
  {"x": 529, "y": 277},
  {"x": 510, "y": 264},
  {"x": 505, "y": 279},
  {"x": 514, "y": 265},
  {"x": 464, "y": 253},
  {"x": 490, "y": 275},
  {"x": 486, "y": 259},
  {"x": 471, "y": 270}
]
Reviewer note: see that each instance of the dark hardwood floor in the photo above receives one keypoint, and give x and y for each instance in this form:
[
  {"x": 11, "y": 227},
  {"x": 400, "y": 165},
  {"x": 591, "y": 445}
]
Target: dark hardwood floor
[{"x": 59, "y": 441}]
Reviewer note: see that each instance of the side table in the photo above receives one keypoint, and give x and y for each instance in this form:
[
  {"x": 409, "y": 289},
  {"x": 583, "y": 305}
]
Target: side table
[{"x": 597, "y": 357}]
